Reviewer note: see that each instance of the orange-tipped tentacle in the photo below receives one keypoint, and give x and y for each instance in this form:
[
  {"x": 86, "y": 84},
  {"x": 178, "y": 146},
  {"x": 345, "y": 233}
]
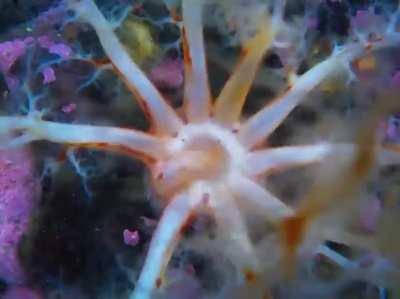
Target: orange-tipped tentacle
[
  {"x": 230, "y": 102},
  {"x": 197, "y": 99}
]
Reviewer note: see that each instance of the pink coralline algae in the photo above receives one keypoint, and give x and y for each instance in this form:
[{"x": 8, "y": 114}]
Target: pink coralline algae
[
  {"x": 131, "y": 238},
  {"x": 19, "y": 191},
  {"x": 391, "y": 129},
  {"x": 362, "y": 18},
  {"x": 370, "y": 215},
  {"x": 48, "y": 75},
  {"x": 182, "y": 285},
  {"x": 168, "y": 74},
  {"x": 68, "y": 108},
  {"x": 365, "y": 20},
  {"x": 10, "y": 52},
  {"x": 22, "y": 293},
  {"x": 59, "y": 49},
  {"x": 395, "y": 81},
  {"x": 48, "y": 19}
]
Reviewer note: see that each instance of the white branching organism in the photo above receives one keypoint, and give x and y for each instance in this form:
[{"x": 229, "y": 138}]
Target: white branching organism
[{"x": 211, "y": 156}]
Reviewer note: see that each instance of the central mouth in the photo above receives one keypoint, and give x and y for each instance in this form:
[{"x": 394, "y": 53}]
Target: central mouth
[{"x": 204, "y": 152}]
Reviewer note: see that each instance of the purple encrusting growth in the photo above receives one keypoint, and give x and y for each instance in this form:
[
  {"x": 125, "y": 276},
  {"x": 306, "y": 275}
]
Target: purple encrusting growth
[
  {"x": 59, "y": 49},
  {"x": 10, "y": 52},
  {"x": 183, "y": 285},
  {"x": 395, "y": 81},
  {"x": 131, "y": 238},
  {"x": 369, "y": 215},
  {"x": 168, "y": 73},
  {"x": 391, "y": 129},
  {"x": 22, "y": 292},
  {"x": 68, "y": 108},
  {"x": 19, "y": 190},
  {"x": 48, "y": 75}
]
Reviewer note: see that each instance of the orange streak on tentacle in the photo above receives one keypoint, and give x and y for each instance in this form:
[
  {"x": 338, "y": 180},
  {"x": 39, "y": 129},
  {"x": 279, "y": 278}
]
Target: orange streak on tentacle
[
  {"x": 187, "y": 60},
  {"x": 250, "y": 276},
  {"x": 173, "y": 11},
  {"x": 292, "y": 232},
  {"x": 186, "y": 53}
]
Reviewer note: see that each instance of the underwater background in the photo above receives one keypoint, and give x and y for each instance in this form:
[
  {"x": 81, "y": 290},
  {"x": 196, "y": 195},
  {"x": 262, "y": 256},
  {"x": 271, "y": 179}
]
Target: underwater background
[{"x": 76, "y": 221}]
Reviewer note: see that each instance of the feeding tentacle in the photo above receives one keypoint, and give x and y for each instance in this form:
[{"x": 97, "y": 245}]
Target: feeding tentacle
[
  {"x": 259, "y": 162},
  {"x": 230, "y": 221},
  {"x": 251, "y": 193},
  {"x": 139, "y": 144},
  {"x": 163, "y": 243},
  {"x": 166, "y": 121},
  {"x": 197, "y": 98},
  {"x": 229, "y": 104},
  {"x": 263, "y": 123}
]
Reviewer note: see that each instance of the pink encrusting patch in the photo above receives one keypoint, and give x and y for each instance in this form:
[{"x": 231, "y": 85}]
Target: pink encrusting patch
[
  {"x": 10, "y": 51},
  {"x": 362, "y": 18},
  {"x": 131, "y": 238},
  {"x": 19, "y": 191},
  {"x": 59, "y": 49},
  {"x": 168, "y": 74},
  {"x": 395, "y": 80},
  {"x": 369, "y": 215},
  {"x": 22, "y": 293},
  {"x": 182, "y": 284},
  {"x": 68, "y": 108},
  {"x": 48, "y": 75}
]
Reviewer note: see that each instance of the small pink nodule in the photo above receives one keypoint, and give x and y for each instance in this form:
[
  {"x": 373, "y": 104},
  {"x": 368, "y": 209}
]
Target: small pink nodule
[
  {"x": 22, "y": 293},
  {"x": 395, "y": 81},
  {"x": 61, "y": 50},
  {"x": 10, "y": 51},
  {"x": 48, "y": 75},
  {"x": 370, "y": 215},
  {"x": 69, "y": 108},
  {"x": 168, "y": 74},
  {"x": 44, "y": 41},
  {"x": 362, "y": 18},
  {"x": 131, "y": 238}
]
